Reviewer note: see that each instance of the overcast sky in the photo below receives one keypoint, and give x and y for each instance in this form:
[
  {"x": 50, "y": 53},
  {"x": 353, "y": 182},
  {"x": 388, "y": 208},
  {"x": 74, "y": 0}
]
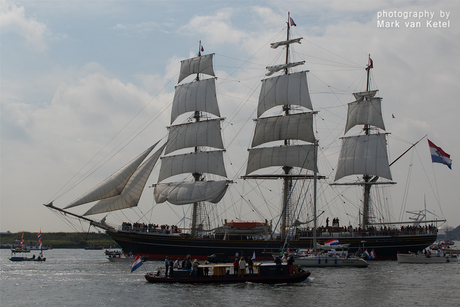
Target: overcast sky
[{"x": 85, "y": 80}]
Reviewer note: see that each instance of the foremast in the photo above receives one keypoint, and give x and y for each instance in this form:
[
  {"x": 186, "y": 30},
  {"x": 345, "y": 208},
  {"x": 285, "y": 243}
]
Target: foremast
[
  {"x": 365, "y": 154},
  {"x": 287, "y": 90},
  {"x": 202, "y": 133}
]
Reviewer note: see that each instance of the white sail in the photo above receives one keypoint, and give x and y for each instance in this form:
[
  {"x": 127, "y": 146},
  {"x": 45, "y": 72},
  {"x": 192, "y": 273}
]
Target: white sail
[
  {"x": 211, "y": 162},
  {"x": 293, "y": 127},
  {"x": 132, "y": 192},
  {"x": 287, "y": 42},
  {"x": 276, "y": 68},
  {"x": 195, "y": 96},
  {"x": 365, "y": 112},
  {"x": 203, "y": 133},
  {"x": 295, "y": 155},
  {"x": 114, "y": 184},
  {"x": 189, "y": 192},
  {"x": 200, "y": 64},
  {"x": 364, "y": 155},
  {"x": 289, "y": 89}
]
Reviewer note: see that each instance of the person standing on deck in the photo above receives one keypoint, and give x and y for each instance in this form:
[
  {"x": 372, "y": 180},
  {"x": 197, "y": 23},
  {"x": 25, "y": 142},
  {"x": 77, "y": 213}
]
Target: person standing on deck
[
  {"x": 278, "y": 265},
  {"x": 290, "y": 262},
  {"x": 236, "y": 267},
  {"x": 242, "y": 265},
  {"x": 166, "y": 266}
]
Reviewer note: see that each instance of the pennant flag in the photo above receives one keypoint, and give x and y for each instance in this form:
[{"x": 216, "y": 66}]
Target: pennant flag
[
  {"x": 331, "y": 242},
  {"x": 137, "y": 263},
  {"x": 366, "y": 253},
  {"x": 22, "y": 240},
  {"x": 253, "y": 255},
  {"x": 40, "y": 241},
  {"x": 202, "y": 49},
  {"x": 439, "y": 156},
  {"x": 371, "y": 63},
  {"x": 292, "y": 22},
  {"x": 373, "y": 255}
]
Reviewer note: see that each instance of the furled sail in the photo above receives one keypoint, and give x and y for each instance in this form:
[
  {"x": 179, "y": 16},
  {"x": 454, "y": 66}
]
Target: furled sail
[
  {"x": 132, "y": 192},
  {"x": 291, "y": 89},
  {"x": 365, "y": 112},
  {"x": 200, "y": 64},
  {"x": 195, "y": 96},
  {"x": 287, "y": 42},
  {"x": 295, "y": 127},
  {"x": 113, "y": 185},
  {"x": 276, "y": 68},
  {"x": 295, "y": 155},
  {"x": 365, "y": 154},
  {"x": 211, "y": 162},
  {"x": 188, "y": 192},
  {"x": 203, "y": 133}
]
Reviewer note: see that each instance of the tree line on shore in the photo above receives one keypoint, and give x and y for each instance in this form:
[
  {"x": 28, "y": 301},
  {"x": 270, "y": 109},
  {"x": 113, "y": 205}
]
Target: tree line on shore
[{"x": 59, "y": 239}]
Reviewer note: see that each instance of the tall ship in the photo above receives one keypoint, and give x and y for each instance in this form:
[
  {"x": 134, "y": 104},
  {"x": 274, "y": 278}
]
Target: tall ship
[{"x": 284, "y": 148}]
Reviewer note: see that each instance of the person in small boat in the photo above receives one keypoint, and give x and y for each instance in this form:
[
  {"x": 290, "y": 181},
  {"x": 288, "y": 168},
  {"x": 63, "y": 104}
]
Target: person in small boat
[
  {"x": 187, "y": 263},
  {"x": 290, "y": 263},
  {"x": 177, "y": 264},
  {"x": 171, "y": 268},
  {"x": 298, "y": 269},
  {"x": 236, "y": 267},
  {"x": 278, "y": 265},
  {"x": 250, "y": 267},
  {"x": 242, "y": 265},
  {"x": 195, "y": 268},
  {"x": 227, "y": 274},
  {"x": 166, "y": 266},
  {"x": 206, "y": 269}
]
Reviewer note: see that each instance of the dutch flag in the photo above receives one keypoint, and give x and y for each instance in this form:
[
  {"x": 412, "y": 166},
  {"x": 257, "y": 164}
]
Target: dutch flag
[
  {"x": 137, "y": 263},
  {"x": 439, "y": 156},
  {"x": 331, "y": 242}
]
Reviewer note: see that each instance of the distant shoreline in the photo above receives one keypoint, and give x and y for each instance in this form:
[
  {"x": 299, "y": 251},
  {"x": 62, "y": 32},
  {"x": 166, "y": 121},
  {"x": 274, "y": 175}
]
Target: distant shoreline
[{"x": 59, "y": 240}]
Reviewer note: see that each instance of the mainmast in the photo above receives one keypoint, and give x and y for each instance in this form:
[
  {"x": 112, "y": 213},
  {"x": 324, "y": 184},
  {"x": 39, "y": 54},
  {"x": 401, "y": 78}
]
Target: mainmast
[
  {"x": 366, "y": 178},
  {"x": 285, "y": 90},
  {"x": 197, "y": 208},
  {"x": 287, "y": 182}
]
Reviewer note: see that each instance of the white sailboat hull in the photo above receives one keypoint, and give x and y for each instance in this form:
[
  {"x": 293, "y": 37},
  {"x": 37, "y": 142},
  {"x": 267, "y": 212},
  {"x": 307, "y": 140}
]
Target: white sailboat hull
[
  {"x": 415, "y": 258},
  {"x": 324, "y": 261}
]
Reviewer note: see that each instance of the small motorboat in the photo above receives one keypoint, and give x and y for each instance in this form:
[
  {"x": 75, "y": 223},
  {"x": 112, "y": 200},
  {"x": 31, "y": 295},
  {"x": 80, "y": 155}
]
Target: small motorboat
[
  {"x": 426, "y": 258},
  {"x": 21, "y": 258},
  {"x": 268, "y": 273}
]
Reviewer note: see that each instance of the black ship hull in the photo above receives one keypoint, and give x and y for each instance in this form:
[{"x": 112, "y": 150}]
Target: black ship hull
[{"x": 157, "y": 246}]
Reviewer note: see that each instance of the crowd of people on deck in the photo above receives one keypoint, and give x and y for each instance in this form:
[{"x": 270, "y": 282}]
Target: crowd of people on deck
[
  {"x": 153, "y": 228},
  {"x": 370, "y": 230}
]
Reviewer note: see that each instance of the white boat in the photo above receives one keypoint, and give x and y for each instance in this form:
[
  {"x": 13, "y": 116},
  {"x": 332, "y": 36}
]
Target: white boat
[
  {"x": 422, "y": 258},
  {"x": 330, "y": 261},
  {"x": 120, "y": 258}
]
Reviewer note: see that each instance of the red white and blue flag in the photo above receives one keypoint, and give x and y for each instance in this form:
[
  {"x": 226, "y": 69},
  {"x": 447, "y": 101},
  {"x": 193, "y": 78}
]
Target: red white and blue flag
[
  {"x": 373, "y": 255},
  {"x": 292, "y": 22},
  {"x": 331, "y": 242},
  {"x": 439, "y": 156},
  {"x": 40, "y": 241},
  {"x": 367, "y": 255},
  {"x": 137, "y": 263}
]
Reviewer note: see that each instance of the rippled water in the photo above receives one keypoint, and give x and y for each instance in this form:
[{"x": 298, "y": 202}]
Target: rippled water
[{"x": 86, "y": 278}]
